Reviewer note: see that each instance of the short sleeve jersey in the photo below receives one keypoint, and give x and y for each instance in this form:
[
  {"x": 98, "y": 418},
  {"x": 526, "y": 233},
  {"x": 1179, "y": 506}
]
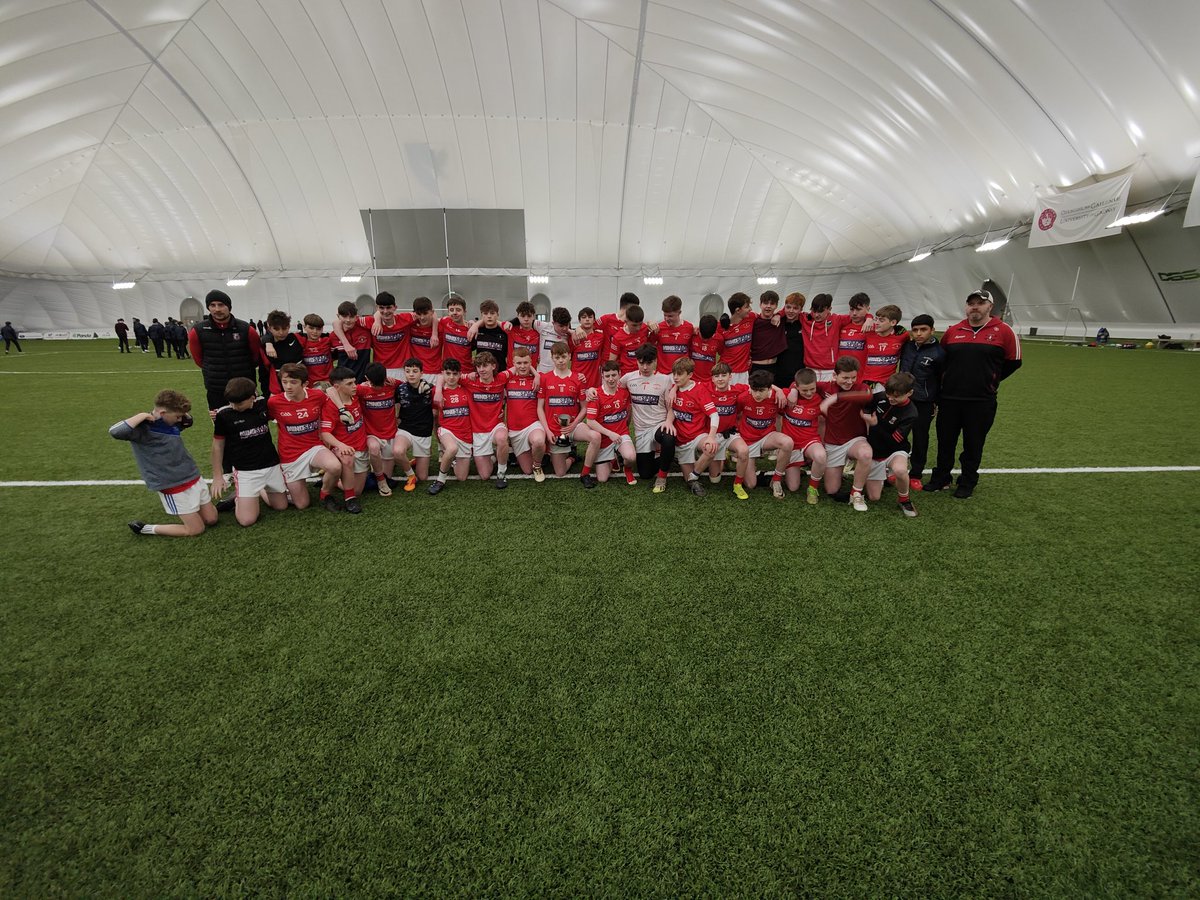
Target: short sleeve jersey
[
  {"x": 523, "y": 337},
  {"x": 726, "y": 404},
  {"x": 611, "y": 411},
  {"x": 560, "y": 395},
  {"x": 486, "y": 401},
  {"x": 756, "y": 419},
  {"x": 587, "y": 354},
  {"x": 646, "y": 399},
  {"x": 883, "y": 355},
  {"x": 674, "y": 343},
  {"x": 420, "y": 346},
  {"x": 493, "y": 341},
  {"x": 800, "y": 421},
  {"x": 852, "y": 339},
  {"x": 299, "y": 422},
  {"x": 455, "y": 412},
  {"x": 692, "y": 407},
  {"x": 703, "y": 352},
  {"x": 520, "y": 398},
  {"x": 455, "y": 344},
  {"x": 379, "y": 408},
  {"x": 390, "y": 346},
  {"x": 353, "y": 435},
  {"x": 318, "y": 357},
  {"x": 735, "y": 344},
  {"x": 247, "y": 438},
  {"x": 843, "y": 422},
  {"x": 414, "y": 409},
  {"x": 625, "y": 346}
]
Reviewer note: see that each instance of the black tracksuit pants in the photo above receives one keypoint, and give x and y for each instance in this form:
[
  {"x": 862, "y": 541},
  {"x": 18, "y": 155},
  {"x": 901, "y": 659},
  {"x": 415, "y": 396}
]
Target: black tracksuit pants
[
  {"x": 972, "y": 419},
  {"x": 920, "y": 438}
]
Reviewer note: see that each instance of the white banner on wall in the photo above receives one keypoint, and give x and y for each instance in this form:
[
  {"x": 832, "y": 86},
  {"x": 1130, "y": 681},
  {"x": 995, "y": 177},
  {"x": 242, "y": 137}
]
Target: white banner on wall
[
  {"x": 1079, "y": 215},
  {"x": 1192, "y": 216}
]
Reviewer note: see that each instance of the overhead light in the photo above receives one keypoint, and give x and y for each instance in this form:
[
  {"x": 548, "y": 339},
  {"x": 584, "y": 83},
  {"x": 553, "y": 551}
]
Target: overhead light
[
  {"x": 924, "y": 254},
  {"x": 237, "y": 282},
  {"x": 768, "y": 279},
  {"x": 351, "y": 279},
  {"x": 539, "y": 279},
  {"x": 123, "y": 285},
  {"x": 988, "y": 246},
  {"x": 652, "y": 280},
  {"x": 1138, "y": 218}
]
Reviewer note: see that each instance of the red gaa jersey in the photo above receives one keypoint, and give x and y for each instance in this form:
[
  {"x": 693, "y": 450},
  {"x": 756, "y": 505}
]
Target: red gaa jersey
[
  {"x": 703, "y": 352},
  {"x": 390, "y": 346},
  {"x": 852, "y": 340},
  {"x": 674, "y": 342},
  {"x": 529, "y": 338},
  {"x": 455, "y": 344},
  {"x": 799, "y": 421},
  {"x": 843, "y": 422},
  {"x": 587, "y": 354},
  {"x": 560, "y": 396},
  {"x": 611, "y": 411},
  {"x": 883, "y": 355},
  {"x": 692, "y": 407},
  {"x": 352, "y": 435},
  {"x": 625, "y": 346},
  {"x": 735, "y": 344},
  {"x": 299, "y": 423},
  {"x": 726, "y": 402},
  {"x": 420, "y": 340},
  {"x": 486, "y": 401},
  {"x": 520, "y": 397},
  {"x": 318, "y": 357},
  {"x": 756, "y": 420},
  {"x": 455, "y": 413},
  {"x": 379, "y": 408}
]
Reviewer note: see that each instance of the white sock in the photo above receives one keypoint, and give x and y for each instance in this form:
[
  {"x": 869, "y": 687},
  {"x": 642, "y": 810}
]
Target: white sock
[
  {"x": 149, "y": 529},
  {"x": 442, "y": 476},
  {"x": 502, "y": 469}
]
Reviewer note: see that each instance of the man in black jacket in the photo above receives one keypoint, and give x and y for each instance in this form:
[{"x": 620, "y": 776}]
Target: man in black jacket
[
  {"x": 157, "y": 334},
  {"x": 223, "y": 347}
]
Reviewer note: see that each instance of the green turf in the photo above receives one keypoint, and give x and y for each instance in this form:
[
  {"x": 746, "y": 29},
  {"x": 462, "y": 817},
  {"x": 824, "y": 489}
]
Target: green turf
[{"x": 553, "y": 691}]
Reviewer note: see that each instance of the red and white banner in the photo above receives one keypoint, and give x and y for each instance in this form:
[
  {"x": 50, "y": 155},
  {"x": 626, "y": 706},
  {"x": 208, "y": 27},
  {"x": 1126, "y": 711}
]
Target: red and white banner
[
  {"x": 1192, "y": 217},
  {"x": 1080, "y": 214}
]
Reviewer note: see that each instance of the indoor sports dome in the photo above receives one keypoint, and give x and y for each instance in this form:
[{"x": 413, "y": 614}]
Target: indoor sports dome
[{"x": 323, "y": 151}]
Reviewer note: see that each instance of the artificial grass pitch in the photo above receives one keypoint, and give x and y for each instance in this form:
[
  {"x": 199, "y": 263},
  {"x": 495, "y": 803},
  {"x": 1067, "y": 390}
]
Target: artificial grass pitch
[{"x": 548, "y": 690}]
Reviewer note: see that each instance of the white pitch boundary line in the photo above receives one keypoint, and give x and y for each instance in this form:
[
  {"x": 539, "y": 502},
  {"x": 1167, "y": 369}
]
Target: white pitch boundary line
[{"x": 520, "y": 476}]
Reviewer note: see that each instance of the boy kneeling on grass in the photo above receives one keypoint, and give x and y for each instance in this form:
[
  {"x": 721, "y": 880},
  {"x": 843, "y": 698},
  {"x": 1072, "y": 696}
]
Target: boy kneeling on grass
[
  {"x": 167, "y": 467},
  {"x": 242, "y": 442}
]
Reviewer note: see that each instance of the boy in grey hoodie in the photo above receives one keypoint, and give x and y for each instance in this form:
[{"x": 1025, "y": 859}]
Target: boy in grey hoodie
[{"x": 167, "y": 467}]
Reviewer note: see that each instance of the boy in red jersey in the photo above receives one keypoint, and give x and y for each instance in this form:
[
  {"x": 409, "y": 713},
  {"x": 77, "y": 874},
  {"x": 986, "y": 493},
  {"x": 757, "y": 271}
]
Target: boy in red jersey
[
  {"x": 623, "y": 344},
  {"x": 378, "y": 398},
  {"x": 589, "y": 348},
  {"x": 757, "y": 409},
  {"x": 389, "y": 335},
  {"x": 737, "y": 333},
  {"x": 845, "y": 431},
  {"x": 526, "y": 437},
  {"x": 801, "y": 424},
  {"x": 883, "y": 345},
  {"x": 453, "y": 404},
  {"x": 673, "y": 335},
  {"x": 347, "y": 439},
  {"x": 725, "y": 397},
  {"x": 167, "y": 467},
  {"x": 318, "y": 350},
  {"x": 690, "y": 428},
  {"x": 890, "y": 419},
  {"x": 852, "y": 336},
  {"x": 489, "y": 434},
  {"x": 705, "y": 346},
  {"x": 297, "y": 411},
  {"x": 611, "y": 323},
  {"x": 821, "y": 331},
  {"x": 242, "y": 441},
  {"x": 608, "y": 415},
  {"x": 647, "y": 388},
  {"x": 358, "y": 337},
  {"x": 523, "y": 333},
  {"x": 560, "y": 413},
  {"x": 455, "y": 332},
  {"x": 423, "y": 341}
]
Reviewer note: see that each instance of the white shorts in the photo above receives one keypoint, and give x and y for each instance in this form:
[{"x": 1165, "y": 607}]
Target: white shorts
[
  {"x": 739, "y": 378},
  {"x": 302, "y": 466},
  {"x": 250, "y": 481},
  {"x": 723, "y": 445},
  {"x": 755, "y": 450},
  {"x": 385, "y": 446},
  {"x": 483, "y": 443},
  {"x": 443, "y": 435},
  {"x": 644, "y": 443},
  {"x": 362, "y": 461},
  {"x": 879, "y": 467},
  {"x": 421, "y": 446},
  {"x": 188, "y": 501},
  {"x": 835, "y": 457},
  {"x": 609, "y": 453},
  {"x": 687, "y": 453},
  {"x": 823, "y": 374},
  {"x": 518, "y": 441}
]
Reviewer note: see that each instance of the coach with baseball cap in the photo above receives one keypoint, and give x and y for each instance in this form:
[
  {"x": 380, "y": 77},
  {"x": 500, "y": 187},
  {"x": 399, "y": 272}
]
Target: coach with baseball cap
[
  {"x": 223, "y": 347},
  {"x": 981, "y": 351}
]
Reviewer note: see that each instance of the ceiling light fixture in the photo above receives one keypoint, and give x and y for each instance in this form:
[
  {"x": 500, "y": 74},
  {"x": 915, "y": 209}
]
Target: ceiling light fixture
[
  {"x": 539, "y": 279},
  {"x": 351, "y": 279},
  {"x": 123, "y": 285},
  {"x": 241, "y": 279},
  {"x": 768, "y": 279},
  {"x": 923, "y": 254},
  {"x": 989, "y": 246},
  {"x": 652, "y": 280}
]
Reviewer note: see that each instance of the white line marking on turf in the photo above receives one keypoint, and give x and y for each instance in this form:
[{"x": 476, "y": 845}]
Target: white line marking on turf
[{"x": 1102, "y": 470}]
